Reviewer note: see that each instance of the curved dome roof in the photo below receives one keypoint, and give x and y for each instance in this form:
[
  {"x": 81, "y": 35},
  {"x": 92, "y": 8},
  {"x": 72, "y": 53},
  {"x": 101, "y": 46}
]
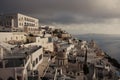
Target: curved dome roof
[{"x": 61, "y": 55}]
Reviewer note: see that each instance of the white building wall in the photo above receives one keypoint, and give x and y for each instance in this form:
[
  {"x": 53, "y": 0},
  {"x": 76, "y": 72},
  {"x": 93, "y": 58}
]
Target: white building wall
[
  {"x": 7, "y": 36},
  {"x": 5, "y": 73},
  {"x": 44, "y": 42},
  {"x": 19, "y": 21},
  {"x": 35, "y": 56},
  {"x": 1, "y": 53},
  {"x": 24, "y": 20},
  {"x": 41, "y": 42},
  {"x": 69, "y": 48},
  {"x": 49, "y": 47}
]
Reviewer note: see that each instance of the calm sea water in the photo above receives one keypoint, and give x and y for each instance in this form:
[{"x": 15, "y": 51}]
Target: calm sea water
[{"x": 109, "y": 43}]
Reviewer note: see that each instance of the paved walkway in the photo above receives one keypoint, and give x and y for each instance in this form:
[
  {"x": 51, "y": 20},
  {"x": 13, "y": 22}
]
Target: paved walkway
[{"x": 43, "y": 66}]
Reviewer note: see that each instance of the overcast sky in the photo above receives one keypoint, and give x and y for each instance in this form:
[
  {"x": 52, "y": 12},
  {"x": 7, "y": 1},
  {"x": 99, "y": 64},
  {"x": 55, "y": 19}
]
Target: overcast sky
[{"x": 75, "y": 16}]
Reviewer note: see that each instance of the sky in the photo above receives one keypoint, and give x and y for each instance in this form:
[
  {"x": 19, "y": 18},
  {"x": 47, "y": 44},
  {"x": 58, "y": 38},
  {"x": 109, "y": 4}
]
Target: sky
[{"x": 75, "y": 16}]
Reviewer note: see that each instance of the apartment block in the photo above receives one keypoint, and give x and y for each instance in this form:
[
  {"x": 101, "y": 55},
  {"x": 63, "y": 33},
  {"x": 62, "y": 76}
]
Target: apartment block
[{"x": 17, "y": 20}]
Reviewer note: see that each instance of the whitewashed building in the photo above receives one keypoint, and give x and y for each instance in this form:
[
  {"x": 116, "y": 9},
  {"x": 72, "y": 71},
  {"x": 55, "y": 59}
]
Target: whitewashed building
[
  {"x": 19, "y": 63},
  {"x": 21, "y": 21},
  {"x": 12, "y": 37},
  {"x": 46, "y": 42}
]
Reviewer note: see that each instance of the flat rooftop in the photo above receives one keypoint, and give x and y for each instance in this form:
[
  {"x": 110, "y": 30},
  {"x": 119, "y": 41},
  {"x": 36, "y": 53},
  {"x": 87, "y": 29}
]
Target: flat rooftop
[
  {"x": 18, "y": 55},
  {"x": 6, "y": 46},
  {"x": 21, "y": 52}
]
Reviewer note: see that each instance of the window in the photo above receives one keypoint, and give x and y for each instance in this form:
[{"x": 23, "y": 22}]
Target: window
[
  {"x": 25, "y": 24},
  {"x": 33, "y": 63},
  {"x": 19, "y": 78},
  {"x": 25, "y": 18},
  {"x": 78, "y": 74},
  {"x": 22, "y": 18},
  {"x": 20, "y": 24},
  {"x": 49, "y": 39},
  {"x": 40, "y": 57},
  {"x": 70, "y": 73},
  {"x": 16, "y": 37},
  {"x": 1, "y": 64},
  {"x": 67, "y": 72},
  {"x": 36, "y": 60}
]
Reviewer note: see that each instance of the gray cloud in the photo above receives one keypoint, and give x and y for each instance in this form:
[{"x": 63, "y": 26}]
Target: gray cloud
[{"x": 66, "y": 12}]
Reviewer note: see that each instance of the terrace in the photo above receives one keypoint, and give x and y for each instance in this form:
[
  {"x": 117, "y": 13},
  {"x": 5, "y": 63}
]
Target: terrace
[{"x": 18, "y": 56}]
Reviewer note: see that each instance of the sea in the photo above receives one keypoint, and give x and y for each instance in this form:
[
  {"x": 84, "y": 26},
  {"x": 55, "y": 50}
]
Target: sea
[{"x": 109, "y": 43}]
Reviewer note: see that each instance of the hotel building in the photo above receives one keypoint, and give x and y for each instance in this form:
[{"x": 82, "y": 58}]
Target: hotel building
[{"x": 18, "y": 21}]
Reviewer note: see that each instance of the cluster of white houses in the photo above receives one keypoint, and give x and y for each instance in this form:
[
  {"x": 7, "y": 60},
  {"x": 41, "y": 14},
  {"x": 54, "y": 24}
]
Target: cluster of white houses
[
  {"x": 25, "y": 48},
  {"x": 16, "y": 63},
  {"x": 21, "y": 46}
]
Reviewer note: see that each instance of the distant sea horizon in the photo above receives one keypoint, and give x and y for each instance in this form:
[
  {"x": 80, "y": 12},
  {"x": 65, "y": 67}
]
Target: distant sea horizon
[{"x": 109, "y": 43}]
